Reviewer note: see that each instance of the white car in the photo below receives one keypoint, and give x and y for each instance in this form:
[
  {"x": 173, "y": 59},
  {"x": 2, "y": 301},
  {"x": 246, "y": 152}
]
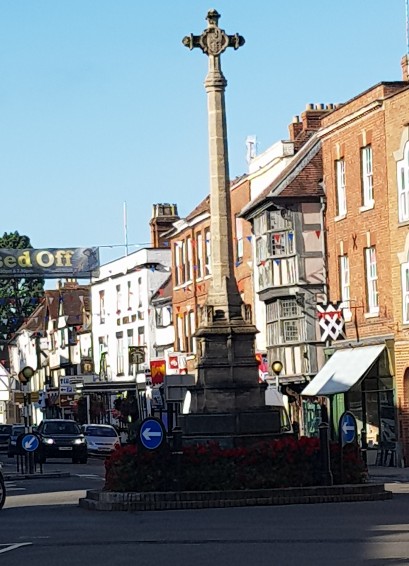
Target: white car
[{"x": 101, "y": 439}]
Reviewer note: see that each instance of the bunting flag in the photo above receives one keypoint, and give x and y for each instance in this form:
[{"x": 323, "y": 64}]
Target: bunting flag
[
  {"x": 193, "y": 242},
  {"x": 249, "y": 238},
  {"x": 290, "y": 236},
  {"x": 318, "y": 233},
  {"x": 238, "y": 262},
  {"x": 178, "y": 309},
  {"x": 263, "y": 262},
  {"x": 161, "y": 291},
  {"x": 195, "y": 267},
  {"x": 277, "y": 261},
  {"x": 277, "y": 237}
]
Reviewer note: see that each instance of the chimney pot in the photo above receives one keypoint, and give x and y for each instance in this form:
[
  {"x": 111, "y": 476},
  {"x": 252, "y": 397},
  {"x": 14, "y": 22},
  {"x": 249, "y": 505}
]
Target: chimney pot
[
  {"x": 309, "y": 107},
  {"x": 296, "y": 119}
]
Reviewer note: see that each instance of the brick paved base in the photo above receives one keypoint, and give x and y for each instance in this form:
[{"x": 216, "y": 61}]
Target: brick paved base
[{"x": 157, "y": 501}]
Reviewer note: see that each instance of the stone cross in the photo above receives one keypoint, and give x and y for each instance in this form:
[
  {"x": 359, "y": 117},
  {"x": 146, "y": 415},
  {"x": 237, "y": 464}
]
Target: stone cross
[{"x": 223, "y": 295}]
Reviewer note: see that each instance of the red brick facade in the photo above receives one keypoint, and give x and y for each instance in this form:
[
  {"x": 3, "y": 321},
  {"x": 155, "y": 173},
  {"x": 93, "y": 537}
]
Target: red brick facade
[
  {"x": 191, "y": 248},
  {"x": 368, "y": 235}
]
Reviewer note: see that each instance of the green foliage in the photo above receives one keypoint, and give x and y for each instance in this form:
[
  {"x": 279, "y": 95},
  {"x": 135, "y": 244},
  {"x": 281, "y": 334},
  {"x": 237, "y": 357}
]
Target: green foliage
[
  {"x": 18, "y": 297},
  {"x": 284, "y": 462}
]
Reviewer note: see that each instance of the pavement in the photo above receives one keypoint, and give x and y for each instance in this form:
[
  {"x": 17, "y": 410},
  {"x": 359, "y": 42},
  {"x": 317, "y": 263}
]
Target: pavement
[{"x": 388, "y": 474}]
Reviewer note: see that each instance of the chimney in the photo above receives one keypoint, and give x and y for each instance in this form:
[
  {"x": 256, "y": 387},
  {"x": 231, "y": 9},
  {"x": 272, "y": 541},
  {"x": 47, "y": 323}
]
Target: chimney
[
  {"x": 311, "y": 117},
  {"x": 405, "y": 67},
  {"x": 163, "y": 218},
  {"x": 295, "y": 128}
]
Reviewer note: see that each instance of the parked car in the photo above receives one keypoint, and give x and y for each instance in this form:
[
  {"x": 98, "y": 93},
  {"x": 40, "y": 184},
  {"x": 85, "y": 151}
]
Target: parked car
[
  {"x": 16, "y": 430},
  {"x": 61, "y": 438},
  {"x": 5, "y": 431},
  {"x": 101, "y": 439}
]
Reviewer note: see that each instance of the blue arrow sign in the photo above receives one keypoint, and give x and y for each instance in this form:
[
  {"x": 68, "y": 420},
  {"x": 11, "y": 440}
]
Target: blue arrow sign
[
  {"x": 30, "y": 442},
  {"x": 347, "y": 428},
  {"x": 151, "y": 433}
]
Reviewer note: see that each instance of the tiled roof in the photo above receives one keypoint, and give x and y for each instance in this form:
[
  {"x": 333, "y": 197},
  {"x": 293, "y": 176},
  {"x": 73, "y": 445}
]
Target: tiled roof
[
  {"x": 164, "y": 291},
  {"x": 204, "y": 206},
  {"x": 300, "y": 178}
]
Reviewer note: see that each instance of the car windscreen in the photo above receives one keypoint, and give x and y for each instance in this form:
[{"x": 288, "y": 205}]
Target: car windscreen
[
  {"x": 61, "y": 428},
  {"x": 100, "y": 431},
  {"x": 5, "y": 429}
]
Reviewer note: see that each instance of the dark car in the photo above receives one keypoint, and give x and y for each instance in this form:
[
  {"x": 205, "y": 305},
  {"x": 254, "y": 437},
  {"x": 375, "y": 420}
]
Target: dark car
[
  {"x": 5, "y": 431},
  {"x": 61, "y": 439},
  {"x": 16, "y": 430}
]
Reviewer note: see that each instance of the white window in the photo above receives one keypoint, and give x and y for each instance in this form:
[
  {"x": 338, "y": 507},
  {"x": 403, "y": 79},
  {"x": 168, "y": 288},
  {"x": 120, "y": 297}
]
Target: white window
[
  {"x": 367, "y": 175},
  {"x": 189, "y": 261},
  {"x": 405, "y": 293},
  {"x": 199, "y": 255},
  {"x": 284, "y": 322},
  {"x": 403, "y": 185},
  {"x": 178, "y": 278},
  {"x": 118, "y": 299},
  {"x": 371, "y": 280},
  {"x": 129, "y": 295},
  {"x": 239, "y": 239},
  {"x": 344, "y": 280},
  {"x": 102, "y": 307},
  {"x": 208, "y": 267},
  {"x": 341, "y": 189},
  {"x": 119, "y": 353}
]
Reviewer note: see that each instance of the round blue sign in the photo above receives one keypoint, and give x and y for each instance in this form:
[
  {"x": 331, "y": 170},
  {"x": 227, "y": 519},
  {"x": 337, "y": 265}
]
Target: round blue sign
[
  {"x": 347, "y": 428},
  {"x": 30, "y": 442},
  {"x": 151, "y": 433}
]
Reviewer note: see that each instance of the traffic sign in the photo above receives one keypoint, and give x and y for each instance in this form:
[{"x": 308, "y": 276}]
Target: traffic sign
[
  {"x": 347, "y": 428},
  {"x": 30, "y": 442},
  {"x": 151, "y": 433}
]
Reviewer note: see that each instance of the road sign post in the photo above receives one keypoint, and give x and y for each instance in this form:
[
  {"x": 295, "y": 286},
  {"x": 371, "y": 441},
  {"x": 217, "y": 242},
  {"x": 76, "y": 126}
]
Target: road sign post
[
  {"x": 347, "y": 435},
  {"x": 24, "y": 377},
  {"x": 151, "y": 433}
]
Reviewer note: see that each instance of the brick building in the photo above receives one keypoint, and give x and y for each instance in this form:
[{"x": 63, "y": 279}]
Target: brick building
[
  {"x": 191, "y": 271},
  {"x": 367, "y": 218}
]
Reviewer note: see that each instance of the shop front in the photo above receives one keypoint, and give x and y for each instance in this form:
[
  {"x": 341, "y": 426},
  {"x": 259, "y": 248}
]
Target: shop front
[{"x": 360, "y": 379}]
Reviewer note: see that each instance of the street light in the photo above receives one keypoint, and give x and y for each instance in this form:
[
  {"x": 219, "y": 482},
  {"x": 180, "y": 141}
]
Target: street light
[
  {"x": 277, "y": 368},
  {"x": 26, "y": 374}
]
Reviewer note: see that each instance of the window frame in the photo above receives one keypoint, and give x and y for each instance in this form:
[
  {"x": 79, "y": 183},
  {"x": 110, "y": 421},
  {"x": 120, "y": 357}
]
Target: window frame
[
  {"x": 405, "y": 292},
  {"x": 367, "y": 175},
  {"x": 402, "y": 173},
  {"x": 372, "y": 292},
  {"x": 340, "y": 182},
  {"x": 279, "y": 322}
]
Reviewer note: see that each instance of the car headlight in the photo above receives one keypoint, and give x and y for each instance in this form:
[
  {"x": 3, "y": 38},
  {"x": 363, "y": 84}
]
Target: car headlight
[
  {"x": 79, "y": 441},
  {"x": 48, "y": 440}
]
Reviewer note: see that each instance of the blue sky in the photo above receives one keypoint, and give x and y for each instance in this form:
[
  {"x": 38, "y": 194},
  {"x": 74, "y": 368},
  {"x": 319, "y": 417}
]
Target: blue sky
[{"x": 100, "y": 102}]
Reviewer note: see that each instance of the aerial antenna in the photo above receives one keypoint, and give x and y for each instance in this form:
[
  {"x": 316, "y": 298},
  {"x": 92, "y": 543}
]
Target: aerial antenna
[
  {"x": 126, "y": 229},
  {"x": 251, "y": 144}
]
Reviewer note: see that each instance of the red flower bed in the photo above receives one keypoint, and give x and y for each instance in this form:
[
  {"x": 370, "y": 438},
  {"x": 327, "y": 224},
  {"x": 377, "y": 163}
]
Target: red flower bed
[{"x": 285, "y": 462}]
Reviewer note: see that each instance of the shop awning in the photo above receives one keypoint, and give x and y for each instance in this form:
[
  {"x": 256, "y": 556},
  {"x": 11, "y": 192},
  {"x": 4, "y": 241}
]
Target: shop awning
[{"x": 343, "y": 370}]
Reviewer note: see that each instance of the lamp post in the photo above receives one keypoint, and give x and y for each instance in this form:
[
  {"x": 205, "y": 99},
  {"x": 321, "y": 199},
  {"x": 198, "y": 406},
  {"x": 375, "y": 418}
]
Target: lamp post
[{"x": 277, "y": 368}]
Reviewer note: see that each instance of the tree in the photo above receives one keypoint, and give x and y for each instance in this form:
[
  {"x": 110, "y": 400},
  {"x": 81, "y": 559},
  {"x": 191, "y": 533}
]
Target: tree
[{"x": 19, "y": 297}]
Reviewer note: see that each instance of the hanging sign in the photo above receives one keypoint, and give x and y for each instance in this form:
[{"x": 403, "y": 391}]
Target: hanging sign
[{"x": 49, "y": 262}]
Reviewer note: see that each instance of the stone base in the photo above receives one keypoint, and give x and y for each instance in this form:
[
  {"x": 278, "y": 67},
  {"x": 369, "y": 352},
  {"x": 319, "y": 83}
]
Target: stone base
[
  {"x": 113, "y": 501},
  {"x": 231, "y": 429}
]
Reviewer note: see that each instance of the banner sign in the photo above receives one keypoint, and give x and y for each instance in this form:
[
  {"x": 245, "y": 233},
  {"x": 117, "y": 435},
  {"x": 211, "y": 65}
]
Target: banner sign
[
  {"x": 49, "y": 263},
  {"x": 331, "y": 321}
]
